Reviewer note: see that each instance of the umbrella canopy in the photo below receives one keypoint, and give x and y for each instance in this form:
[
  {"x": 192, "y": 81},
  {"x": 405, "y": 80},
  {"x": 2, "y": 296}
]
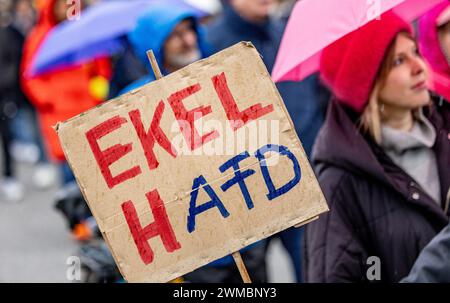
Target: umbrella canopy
[
  {"x": 314, "y": 25},
  {"x": 97, "y": 33}
]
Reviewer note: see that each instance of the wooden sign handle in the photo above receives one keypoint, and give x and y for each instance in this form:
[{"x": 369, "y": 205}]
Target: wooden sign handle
[
  {"x": 241, "y": 266},
  {"x": 236, "y": 256},
  {"x": 154, "y": 64}
]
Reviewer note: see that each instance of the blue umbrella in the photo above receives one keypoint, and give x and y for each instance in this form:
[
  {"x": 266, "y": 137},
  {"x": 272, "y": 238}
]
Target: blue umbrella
[{"x": 97, "y": 33}]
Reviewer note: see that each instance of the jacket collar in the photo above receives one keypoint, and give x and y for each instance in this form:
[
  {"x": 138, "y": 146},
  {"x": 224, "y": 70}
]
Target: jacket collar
[{"x": 422, "y": 134}]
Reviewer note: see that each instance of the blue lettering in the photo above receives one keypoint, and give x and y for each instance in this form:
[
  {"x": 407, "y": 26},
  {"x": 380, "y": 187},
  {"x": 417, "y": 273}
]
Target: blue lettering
[
  {"x": 239, "y": 177},
  {"x": 282, "y": 150},
  {"x": 195, "y": 210}
]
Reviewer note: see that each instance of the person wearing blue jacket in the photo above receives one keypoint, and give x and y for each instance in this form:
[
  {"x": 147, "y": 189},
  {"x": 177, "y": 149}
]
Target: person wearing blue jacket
[
  {"x": 306, "y": 101},
  {"x": 174, "y": 35}
]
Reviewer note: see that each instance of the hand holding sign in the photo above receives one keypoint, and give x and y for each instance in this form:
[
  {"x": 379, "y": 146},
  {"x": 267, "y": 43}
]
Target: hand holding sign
[{"x": 165, "y": 212}]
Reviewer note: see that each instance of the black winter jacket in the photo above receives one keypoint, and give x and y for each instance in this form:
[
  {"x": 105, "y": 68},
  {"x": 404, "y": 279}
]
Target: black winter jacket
[{"x": 376, "y": 209}]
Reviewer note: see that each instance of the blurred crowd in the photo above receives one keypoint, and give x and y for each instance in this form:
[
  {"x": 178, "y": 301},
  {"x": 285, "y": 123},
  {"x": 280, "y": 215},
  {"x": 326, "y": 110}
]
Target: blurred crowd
[{"x": 374, "y": 122}]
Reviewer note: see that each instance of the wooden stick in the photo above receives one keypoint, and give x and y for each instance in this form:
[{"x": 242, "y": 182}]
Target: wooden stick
[
  {"x": 241, "y": 266},
  {"x": 154, "y": 64}
]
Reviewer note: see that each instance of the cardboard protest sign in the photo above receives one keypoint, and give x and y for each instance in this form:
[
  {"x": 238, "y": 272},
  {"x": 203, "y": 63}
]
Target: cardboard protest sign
[{"x": 192, "y": 167}]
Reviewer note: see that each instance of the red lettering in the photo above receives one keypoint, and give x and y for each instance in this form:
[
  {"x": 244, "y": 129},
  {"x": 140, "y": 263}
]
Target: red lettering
[
  {"x": 160, "y": 227},
  {"x": 106, "y": 157},
  {"x": 229, "y": 104},
  {"x": 183, "y": 115},
  {"x": 154, "y": 133}
]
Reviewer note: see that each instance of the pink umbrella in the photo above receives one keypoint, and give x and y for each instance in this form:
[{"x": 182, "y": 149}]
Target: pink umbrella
[{"x": 314, "y": 25}]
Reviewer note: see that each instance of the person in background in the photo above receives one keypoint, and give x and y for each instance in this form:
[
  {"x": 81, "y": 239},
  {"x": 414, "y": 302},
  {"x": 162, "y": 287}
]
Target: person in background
[
  {"x": 132, "y": 64},
  {"x": 434, "y": 43},
  {"x": 175, "y": 39},
  {"x": 5, "y": 12},
  {"x": 24, "y": 16},
  {"x": 126, "y": 69},
  {"x": 250, "y": 20},
  {"x": 381, "y": 158},
  {"x": 11, "y": 42},
  {"x": 61, "y": 94},
  {"x": 27, "y": 145}
]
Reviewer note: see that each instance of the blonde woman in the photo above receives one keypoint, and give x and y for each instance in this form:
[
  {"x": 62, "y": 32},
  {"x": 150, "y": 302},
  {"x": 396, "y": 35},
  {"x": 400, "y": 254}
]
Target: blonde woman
[{"x": 382, "y": 158}]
